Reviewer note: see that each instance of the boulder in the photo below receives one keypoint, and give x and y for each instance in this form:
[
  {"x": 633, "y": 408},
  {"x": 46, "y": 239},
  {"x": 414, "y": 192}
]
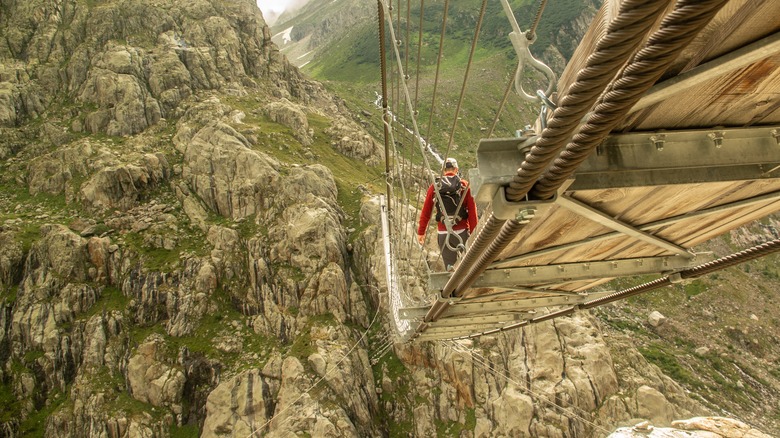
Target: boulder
[
  {"x": 656, "y": 319},
  {"x": 699, "y": 427},
  {"x": 353, "y": 141},
  {"x": 651, "y": 404},
  {"x": 292, "y": 116},
  {"x": 152, "y": 378},
  {"x": 231, "y": 179},
  {"x": 120, "y": 187}
]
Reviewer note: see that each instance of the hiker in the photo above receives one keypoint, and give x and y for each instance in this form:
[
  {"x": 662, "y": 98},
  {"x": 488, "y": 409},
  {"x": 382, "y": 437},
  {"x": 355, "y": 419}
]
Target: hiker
[{"x": 459, "y": 206}]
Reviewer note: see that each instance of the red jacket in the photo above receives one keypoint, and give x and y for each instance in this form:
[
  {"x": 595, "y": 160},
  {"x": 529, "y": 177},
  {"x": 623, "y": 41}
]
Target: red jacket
[{"x": 469, "y": 223}]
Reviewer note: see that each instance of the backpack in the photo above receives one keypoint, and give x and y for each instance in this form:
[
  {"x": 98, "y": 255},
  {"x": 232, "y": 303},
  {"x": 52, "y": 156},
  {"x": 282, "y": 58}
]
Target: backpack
[{"x": 451, "y": 191}]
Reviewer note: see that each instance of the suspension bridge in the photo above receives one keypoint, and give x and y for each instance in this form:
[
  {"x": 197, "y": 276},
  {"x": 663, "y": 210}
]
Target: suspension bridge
[{"x": 662, "y": 133}]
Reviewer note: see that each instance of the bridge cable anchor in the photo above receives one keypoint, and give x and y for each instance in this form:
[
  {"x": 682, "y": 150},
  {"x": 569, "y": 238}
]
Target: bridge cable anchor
[{"x": 521, "y": 43}]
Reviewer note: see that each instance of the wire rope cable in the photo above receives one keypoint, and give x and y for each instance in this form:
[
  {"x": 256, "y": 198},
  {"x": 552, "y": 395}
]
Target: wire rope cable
[
  {"x": 323, "y": 377},
  {"x": 504, "y": 98},
  {"x": 438, "y": 67},
  {"x": 469, "y": 63},
  {"x": 531, "y": 34},
  {"x": 677, "y": 30},
  {"x": 482, "y": 362}
]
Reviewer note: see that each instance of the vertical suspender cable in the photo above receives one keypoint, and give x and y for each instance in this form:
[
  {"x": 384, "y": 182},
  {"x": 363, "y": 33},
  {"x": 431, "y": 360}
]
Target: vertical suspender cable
[
  {"x": 624, "y": 34},
  {"x": 466, "y": 77},
  {"x": 385, "y": 115},
  {"x": 438, "y": 65}
]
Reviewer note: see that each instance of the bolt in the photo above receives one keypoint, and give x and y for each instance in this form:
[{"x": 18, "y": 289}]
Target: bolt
[
  {"x": 717, "y": 138},
  {"x": 658, "y": 141}
]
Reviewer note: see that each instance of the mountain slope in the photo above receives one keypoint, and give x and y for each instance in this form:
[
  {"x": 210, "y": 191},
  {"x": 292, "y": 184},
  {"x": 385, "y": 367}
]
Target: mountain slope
[{"x": 190, "y": 246}]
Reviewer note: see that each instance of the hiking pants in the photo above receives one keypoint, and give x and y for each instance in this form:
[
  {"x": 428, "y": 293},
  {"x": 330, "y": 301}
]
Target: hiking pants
[{"x": 450, "y": 256}]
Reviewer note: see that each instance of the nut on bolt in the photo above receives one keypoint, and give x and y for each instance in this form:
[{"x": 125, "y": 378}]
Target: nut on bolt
[{"x": 525, "y": 215}]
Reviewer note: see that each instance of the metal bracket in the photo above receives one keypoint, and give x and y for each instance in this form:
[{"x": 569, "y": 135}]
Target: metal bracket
[
  {"x": 675, "y": 278},
  {"x": 522, "y": 211}
]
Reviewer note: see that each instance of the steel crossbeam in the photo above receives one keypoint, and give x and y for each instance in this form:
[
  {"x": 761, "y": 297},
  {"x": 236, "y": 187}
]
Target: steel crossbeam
[
  {"x": 463, "y": 330},
  {"x": 644, "y": 159},
  {"x": 464, "y": 321},
  {"x": 530, "y": 275},
  {"x": 602, "y": 218},
  {"x": 681, "y": 157},
  {"x": 505, "y": 306}
]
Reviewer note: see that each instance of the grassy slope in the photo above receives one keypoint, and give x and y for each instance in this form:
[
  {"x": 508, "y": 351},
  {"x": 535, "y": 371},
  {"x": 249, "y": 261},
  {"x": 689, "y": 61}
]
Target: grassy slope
[
  {"x": 351, "y": 69},
  {"x": 738, "y": 372},
  {"x": 719, "y": 340}
]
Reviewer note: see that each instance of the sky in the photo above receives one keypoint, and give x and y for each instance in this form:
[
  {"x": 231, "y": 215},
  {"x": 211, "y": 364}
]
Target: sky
[{"x": 277, "y": 6}]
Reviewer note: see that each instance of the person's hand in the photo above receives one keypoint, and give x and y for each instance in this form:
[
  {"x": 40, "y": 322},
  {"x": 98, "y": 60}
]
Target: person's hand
[{"x": 421, "y": 239}]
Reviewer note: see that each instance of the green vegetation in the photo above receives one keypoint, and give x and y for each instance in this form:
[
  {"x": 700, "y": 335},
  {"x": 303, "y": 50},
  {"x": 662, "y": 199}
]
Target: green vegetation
[
  {"x": 665, "y": 359},
  {"x": 160, "y": 259},
  {"x": 185, "y": 431},
  {"x": 11, "y": 404},
  {"x": 8, "y": 294},
  {"x": 399, "y": 375},
  {"x": 111, "y": 298},
  {"x": 454, "y": 428},
  {"x": 694, "y": 288},
  {"x": 35, "y": 424},
  {"x": 303, "y": 345},
  {"x": 624, "y": 325}
]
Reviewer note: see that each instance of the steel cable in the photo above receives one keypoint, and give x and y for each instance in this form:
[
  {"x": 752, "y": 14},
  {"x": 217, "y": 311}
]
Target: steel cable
[
  {"x": 531, "y": 34},
  {"x": 465, "y": 79},
  {"x": 677, "y": 30},
  {"x": 573, "y": 412},
  {"x": 624, "y": 34},
  {"x": 503, "y": 101},
  {"x": 438, "y": 66},
  {"x": 697, "y": 271}
]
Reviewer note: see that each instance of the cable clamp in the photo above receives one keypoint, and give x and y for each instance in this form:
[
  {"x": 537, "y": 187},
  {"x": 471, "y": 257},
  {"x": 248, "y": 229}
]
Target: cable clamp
[
  {"x": 449, "y": 300},
  {"x": 522, "y": 211},
  {"x": 675, "y": 278}
]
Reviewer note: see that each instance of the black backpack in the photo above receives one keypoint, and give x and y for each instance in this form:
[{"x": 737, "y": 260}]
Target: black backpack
[{"x": 451, "y": 191}]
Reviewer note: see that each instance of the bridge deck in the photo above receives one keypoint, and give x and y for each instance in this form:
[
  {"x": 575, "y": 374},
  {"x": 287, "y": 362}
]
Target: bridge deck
[{"x": 698, "y": 156}]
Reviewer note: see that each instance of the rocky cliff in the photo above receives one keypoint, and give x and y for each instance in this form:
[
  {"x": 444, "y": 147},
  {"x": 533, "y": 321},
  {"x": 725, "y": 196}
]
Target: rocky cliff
[{"x": 190, "y": 248}]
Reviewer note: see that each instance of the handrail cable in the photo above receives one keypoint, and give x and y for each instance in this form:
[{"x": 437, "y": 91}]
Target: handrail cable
[
  {"x": 531, "y": 34},
  {"x": 385, "y": 110},
  {"x": 573, "y": 412},
  {"x": 438, "y": 66},
  {"x": 465, "y": 79},
  {"x": 503, "y": 101},
  {"x": 728, "y": 261},
  {"x": 419, "y": 55},
  {"x": 413, "y": 119},
  {"x": 327, "y": 373},
  {"x": 677, "y": 30},
  {"x": 624, "y": 34}
]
